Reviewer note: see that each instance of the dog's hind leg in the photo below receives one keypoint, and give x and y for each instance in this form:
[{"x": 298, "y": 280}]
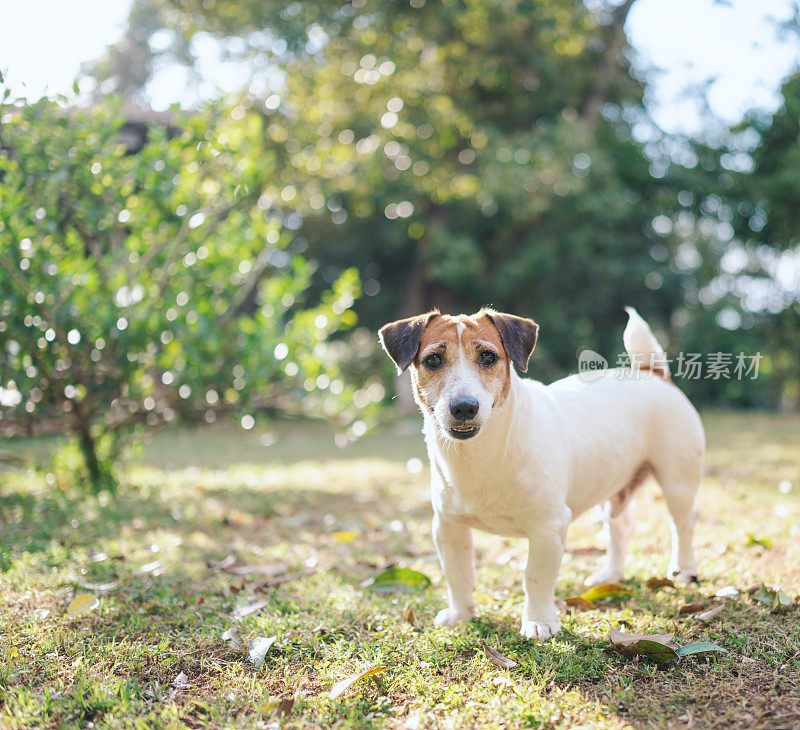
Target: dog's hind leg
[
  {"x": 680, "y": 487},
  {"x": 621, "y": 525}
]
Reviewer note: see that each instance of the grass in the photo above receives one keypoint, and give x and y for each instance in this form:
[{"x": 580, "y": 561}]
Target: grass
[{"x": 329, "y": 519}]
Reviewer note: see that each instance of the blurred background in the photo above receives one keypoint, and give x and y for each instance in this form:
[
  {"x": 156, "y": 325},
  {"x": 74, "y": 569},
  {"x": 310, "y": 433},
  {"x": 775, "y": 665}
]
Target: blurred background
[{"x": 208, "y": 207}]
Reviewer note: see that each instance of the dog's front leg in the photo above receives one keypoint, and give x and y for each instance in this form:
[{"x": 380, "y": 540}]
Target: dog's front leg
[
  {"x": 545, "y": 550},
  {"x": 454, "y": 547}
]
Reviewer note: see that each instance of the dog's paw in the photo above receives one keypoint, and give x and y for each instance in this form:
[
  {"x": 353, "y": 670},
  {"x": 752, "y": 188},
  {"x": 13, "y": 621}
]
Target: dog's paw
[
  {"x": 540, "y": 630},
  {"x": 450, "y": 617},
  {"x": 605, "y": 574},
  {"x": 682, "y": 577}
]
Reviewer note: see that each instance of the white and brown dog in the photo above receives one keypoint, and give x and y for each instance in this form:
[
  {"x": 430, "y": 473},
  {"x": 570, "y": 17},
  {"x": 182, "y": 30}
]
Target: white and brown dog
[{"x": 515, "y": 457}]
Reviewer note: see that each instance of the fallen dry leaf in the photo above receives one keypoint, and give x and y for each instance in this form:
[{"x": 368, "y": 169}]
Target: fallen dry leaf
[
  {"x": 284, "y": 708},
  {"x": 654, "y": 646},
  {"x": 496, "y": 658},
  {"x": 181, "y": 681},
  {"x": 223, "y": 564},
  {"x": 689, "y": 608},
  {"x": 579, "y": 603},
  {"x": 711, "y": 613},
  {"x": 257, "y": 649},
  {"x": 656, "y": 582},
  {"x": 603, "y": 590},
  {"x": 341, "y": 686},
  {"x": 409, "y": 617},
  {"x": 248, "y": 610},
  {"x": 233, "y": 638},
  {"x": 83, "y": 604}
]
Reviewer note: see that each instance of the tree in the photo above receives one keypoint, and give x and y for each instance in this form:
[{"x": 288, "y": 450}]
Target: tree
[
  {"x": 139, "y": 288},
  {"x": 749, "y": 189},
  {"x": 459, "y": 155}
]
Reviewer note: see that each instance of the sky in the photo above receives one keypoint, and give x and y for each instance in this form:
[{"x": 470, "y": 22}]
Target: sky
[{"x": 680, "y": 43}]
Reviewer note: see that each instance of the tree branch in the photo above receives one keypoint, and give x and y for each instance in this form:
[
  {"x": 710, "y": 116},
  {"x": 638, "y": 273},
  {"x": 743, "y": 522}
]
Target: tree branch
[{"x": 598, "y": 91}]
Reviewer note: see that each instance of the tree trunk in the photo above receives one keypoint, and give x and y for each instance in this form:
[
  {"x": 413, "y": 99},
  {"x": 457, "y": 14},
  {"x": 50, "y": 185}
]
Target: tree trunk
[
  {"x": 88, "y": 447},
  {"x": 606, "y": 69},
  {"x": 413, "y": 303}
]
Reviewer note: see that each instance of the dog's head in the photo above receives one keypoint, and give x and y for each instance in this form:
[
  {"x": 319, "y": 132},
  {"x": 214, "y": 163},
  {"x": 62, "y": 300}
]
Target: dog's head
[{"x": 460, "y": 365}]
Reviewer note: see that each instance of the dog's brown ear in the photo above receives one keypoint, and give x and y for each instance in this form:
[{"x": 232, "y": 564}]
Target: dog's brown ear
[
  {"x": 518, "y": 335},
  {"x": 401, "y": 339}
]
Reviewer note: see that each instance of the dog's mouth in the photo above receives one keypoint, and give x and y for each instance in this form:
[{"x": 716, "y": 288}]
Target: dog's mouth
[{"x": 463, "y": 431}]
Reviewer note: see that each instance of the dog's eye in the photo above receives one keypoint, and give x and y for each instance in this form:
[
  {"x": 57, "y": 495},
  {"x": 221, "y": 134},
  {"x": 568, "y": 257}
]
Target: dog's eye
[
  {"x": 487, "y": 358},
  {"x": 434, "y": 361}
]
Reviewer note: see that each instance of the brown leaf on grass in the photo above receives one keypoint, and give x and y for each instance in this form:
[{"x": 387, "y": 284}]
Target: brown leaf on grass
[
  {"x": 711, "y": 613},
  {"x": 496, "y": 658},
  {"x": 285, "y": 707},
  {"x": 657, "y": 582},
  {"x": 689, "y": 608},
  {"x": 343, "y": 685},
  {"x": 578, "y": 603},
  {"x": 620, "y": 638},
  {"x": 409, "y": 617},
  {"x": 659, "y": 647}
]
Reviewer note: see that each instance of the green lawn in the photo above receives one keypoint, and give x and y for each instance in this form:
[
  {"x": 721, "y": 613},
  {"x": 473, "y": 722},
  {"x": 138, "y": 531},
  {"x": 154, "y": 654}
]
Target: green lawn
[{"x": 315, "y": 522}]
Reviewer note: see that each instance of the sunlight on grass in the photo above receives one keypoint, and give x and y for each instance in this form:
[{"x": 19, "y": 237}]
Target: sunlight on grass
[{"x": 307, "y": 525}]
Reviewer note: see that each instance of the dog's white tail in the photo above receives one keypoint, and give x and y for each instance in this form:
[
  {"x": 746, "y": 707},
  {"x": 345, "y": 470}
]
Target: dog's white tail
[{"x": 642, "y": 346}]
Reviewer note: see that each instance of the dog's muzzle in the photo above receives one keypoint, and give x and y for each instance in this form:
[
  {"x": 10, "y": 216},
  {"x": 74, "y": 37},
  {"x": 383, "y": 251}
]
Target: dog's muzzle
[
  {"x": 463, "y": 408},
  {"x": 463, "y": 431}
]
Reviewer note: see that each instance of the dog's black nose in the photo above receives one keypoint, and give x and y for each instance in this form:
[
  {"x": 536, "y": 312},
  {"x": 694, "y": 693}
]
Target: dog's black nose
[{"x": 462, "y": 409}]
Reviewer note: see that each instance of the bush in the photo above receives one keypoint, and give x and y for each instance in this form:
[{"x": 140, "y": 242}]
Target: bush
[{"x": 142, "y": 288}]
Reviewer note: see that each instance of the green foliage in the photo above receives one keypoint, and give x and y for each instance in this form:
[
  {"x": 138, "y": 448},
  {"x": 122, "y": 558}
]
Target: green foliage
[
  {"x": 138, "y": 288},
  {"x": 746, "y": 192},
  {"x": 461, "y": 155}
]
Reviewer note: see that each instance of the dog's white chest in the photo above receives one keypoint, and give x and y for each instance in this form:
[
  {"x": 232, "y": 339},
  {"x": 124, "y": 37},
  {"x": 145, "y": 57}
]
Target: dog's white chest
[
  {"x": 496, "y": 524},
  {"x": 485, "y": 505}
]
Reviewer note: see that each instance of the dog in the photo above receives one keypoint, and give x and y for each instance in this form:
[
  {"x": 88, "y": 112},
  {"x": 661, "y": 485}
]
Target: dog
[{"x": 514, "y": 457}]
